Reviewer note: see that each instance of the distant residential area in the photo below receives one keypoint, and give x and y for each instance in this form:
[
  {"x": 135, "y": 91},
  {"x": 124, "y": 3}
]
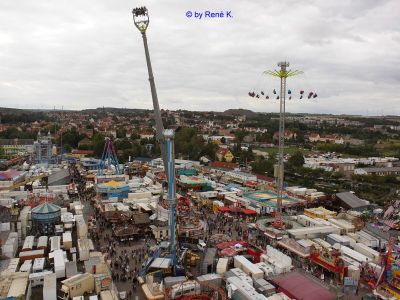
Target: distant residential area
[{"x": 332, "y": 153}]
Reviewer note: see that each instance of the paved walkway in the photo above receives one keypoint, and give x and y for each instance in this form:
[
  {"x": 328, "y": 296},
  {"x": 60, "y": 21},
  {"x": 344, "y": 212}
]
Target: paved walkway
[{"x": 125, "y": 258}]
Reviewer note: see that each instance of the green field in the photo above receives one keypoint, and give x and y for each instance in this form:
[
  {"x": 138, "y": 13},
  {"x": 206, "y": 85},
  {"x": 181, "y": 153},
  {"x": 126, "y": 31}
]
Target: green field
[
  {"x": 289, "y": 150},
  {"x": 389, "y": 148}
]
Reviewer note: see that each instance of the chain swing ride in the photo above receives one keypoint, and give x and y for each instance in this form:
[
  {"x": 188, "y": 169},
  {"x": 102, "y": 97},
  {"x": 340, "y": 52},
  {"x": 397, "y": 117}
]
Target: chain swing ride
[{"x": 283, "y": 73}]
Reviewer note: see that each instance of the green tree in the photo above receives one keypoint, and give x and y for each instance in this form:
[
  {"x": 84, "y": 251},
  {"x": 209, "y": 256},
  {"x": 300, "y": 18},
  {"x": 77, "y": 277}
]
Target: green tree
[
  {"x": 2, "y": 152},
  {"x": 135, "y": 136},
  {"x": 98, "y": 144},
  {"x": 240, "y": 134},
  {"x": 263, "y": 166},
  {"x": 123, "y": 144},
  {"x": 188, "y": 143},
  {"x": 121, "y": 132},
  {"x": 71, "y": 138},
  {"x": 209, "y": 150},
  {"x": 296, "y": 160},
  {"x": 85, "y": 147},
  {"x": 10, "y": 133},
  {"x": 50, "y": 127}
]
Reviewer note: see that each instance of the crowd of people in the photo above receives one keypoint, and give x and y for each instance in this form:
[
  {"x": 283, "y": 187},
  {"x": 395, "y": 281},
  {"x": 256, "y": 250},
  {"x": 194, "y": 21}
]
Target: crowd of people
[{"x": 125, "y": 258}]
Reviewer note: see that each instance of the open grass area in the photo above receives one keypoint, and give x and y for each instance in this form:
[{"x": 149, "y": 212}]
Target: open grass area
[
  {"x": 288, "y": 150},
  {"x": 388, "y": 148}
]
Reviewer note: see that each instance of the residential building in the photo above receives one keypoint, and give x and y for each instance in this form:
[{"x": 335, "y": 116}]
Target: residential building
[
  {"x": 85, "y": 142},
  {"x": 380, "y": 171},
  {"x": 334, "y": 139},
  {"x": 224, "y": 154},
  {"x": 289, "y": 135},
  {"x": 13, "y": 147},
  {"x": 314, "y": 137},
  {"x": 146, "y": 134}
]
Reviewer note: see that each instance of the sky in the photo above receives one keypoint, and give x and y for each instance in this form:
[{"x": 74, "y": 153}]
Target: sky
[{"x": 87, "y": 54}]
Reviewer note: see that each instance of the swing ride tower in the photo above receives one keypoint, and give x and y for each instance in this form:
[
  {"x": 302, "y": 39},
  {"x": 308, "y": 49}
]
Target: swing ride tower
[{"x": 283, "y": 74}]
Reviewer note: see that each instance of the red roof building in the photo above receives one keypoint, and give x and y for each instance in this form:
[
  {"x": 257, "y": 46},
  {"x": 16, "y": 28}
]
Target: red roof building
[
  {"x": 10, "y": 174},
  {"x": 298, "y": 286},
  {"x": 224, "y": 165},
  {"x": 263, "y": 178},
  {"x": 224, "y": 154},
  {"x": 288, "y": 135}
]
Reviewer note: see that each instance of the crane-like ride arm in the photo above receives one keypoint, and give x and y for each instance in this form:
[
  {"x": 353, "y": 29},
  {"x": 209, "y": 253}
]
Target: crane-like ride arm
[{"x": 141, "y": 20}]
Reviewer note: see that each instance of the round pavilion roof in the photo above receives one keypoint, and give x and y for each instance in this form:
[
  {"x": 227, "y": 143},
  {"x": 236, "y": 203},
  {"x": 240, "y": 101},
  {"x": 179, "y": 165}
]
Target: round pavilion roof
[{"x": 46, "y": 213}]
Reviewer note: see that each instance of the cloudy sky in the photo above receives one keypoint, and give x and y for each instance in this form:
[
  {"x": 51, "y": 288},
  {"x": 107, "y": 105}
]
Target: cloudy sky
[{"x": 86, "y": 54}]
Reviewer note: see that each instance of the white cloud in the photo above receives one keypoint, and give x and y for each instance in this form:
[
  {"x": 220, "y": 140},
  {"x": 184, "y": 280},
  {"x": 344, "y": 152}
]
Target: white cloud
[{"x": 84, "y": 54}]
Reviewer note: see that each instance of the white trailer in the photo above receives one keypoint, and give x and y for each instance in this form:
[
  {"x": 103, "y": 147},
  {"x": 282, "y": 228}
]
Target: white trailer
[
  {"x": 37, "y": 279},
  {"x": 81, "y": 227},
  {"x": 222, "y": 265},
  {"x": 42, "y": 242},
  {"x": 31, "y": 254},
  {"x": 308, "y": 221},
  {"x": 26, "y": 266},
  {"x": 55, "y": 243},
  {"x": 351, "y": 241},
  {"x": 67, "y": 240},
  {"x": 248, "y": 267},
  {"x": 108, "y": 295},
  {"x": 236, "y": 272},
  {"x": 50, "y": 287},
  {"x": 335, "y": 238},
  {"x": 28, "y": 243},
  {"x": 312, "y": 232},
  {"x": 357, "y": 256},
  {"x": 239, "y": 289},
  {"x": 10, "y": 247},
  {"x": 59, "y": 263},
  {"x": 280, "y": 261},
  {"x": 367, "y": 251},
  {"x": 345, "y": 226},
  {"x": 84, "y": 247},
  {"x": 38, "y": 265},
  {"x": 367, "y": 239},
  {"x": 266, "y": 268}
]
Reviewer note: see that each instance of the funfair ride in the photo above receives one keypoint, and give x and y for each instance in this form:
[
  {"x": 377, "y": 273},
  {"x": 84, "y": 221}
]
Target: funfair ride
[
  {"x": 283, "y": 73},
  {"x": 108, "y": 158},
  {"x": 141, "y": 20},
  {"x": 388, "y": 283},
  {"x": 164, "y": 137}
]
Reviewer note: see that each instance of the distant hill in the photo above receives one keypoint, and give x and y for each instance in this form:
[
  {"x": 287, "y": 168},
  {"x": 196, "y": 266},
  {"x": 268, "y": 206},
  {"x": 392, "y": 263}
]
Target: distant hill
[
  {"x": 240, "y": 112},
  {"x": 10, "y": 110},
  {"x": 113, "y": 110}
]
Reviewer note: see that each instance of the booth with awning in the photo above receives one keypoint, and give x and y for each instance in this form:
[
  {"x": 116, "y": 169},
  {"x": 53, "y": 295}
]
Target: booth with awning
[{"x": 245, "y": 211}]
